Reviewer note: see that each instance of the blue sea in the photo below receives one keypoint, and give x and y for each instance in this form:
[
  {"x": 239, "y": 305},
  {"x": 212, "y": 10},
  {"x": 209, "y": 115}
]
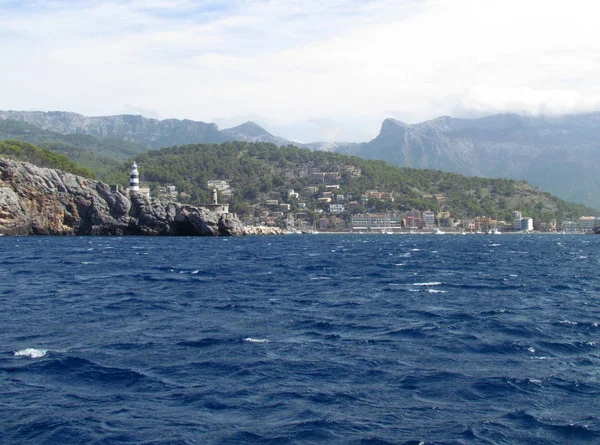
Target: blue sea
[{"x": 300, "y": 339}]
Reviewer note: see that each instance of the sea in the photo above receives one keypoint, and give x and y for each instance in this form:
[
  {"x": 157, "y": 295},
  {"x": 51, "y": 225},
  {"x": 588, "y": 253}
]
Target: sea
[{"x": 300, "y": 339}]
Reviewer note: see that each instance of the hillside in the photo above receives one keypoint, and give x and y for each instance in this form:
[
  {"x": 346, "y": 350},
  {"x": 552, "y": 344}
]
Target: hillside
[
  {"x": 42, "y": 157},
  {"x": 88, "y": 151},
  {"x": 558, "y": 154},
  {"x": 260, "y": 171}
]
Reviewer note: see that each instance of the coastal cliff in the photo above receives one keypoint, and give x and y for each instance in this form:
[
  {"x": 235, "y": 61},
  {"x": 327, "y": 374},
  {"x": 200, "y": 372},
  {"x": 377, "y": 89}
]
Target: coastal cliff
[{"x": 41, "y": 201}]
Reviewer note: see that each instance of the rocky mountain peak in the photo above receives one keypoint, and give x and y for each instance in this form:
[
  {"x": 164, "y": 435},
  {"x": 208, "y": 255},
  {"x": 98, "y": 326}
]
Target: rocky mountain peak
[
  {"x": 391, "y": 127},
  {"x": 251, "y": 129}
]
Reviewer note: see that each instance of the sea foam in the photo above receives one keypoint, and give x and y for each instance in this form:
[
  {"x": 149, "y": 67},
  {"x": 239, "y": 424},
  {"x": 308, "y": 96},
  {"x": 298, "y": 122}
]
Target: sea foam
[
  {"x": 31, "y": 353},
  {"x": 256, "y": 340}
]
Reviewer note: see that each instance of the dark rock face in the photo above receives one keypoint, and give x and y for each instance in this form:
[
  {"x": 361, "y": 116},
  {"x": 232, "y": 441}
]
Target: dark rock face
[{"x": 40, "y": 201}]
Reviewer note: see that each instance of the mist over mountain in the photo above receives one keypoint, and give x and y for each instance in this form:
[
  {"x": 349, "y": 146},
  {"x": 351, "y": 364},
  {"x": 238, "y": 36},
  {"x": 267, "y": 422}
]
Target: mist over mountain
[{"x": 559, "y": 154}]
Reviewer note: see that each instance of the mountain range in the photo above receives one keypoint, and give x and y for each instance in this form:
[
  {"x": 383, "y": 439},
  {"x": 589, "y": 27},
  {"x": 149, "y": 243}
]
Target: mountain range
[
  {"x": 146, "y": 132},
  {"x": 559, "y": 154}
]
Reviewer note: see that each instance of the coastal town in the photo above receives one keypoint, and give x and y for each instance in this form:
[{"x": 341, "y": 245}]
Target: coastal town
[{"x": 324, "y": 206}]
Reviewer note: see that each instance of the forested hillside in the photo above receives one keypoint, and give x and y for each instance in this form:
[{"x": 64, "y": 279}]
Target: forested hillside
[
  {"x": 42, "y": 157},
  {"x": 94, "y": 153},
  {"x": 260, "y": 171}
]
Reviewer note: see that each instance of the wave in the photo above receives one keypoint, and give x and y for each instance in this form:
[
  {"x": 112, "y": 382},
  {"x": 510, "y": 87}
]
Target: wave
[
  {"x": 256, "y": 340},
  {"x": 31, "y": 353}
]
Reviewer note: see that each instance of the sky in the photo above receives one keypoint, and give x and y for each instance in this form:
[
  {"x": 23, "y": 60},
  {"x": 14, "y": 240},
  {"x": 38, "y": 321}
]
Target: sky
[{"x": 306, "y": 70}]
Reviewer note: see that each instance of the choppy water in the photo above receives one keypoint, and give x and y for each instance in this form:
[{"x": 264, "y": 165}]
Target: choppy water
[{"x": 348, "y": 339}]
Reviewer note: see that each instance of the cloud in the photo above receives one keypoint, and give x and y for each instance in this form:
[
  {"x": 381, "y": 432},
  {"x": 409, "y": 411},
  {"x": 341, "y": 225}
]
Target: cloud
[{"x": 301, "y": 65}]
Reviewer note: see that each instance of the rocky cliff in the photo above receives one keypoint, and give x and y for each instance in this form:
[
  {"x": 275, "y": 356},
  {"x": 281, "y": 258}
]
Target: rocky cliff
[
  {"x": 40, "y": 201},
  {"x": 559, "y": 154}
]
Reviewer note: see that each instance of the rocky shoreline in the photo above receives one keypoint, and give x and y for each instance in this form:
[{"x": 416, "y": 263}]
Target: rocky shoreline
[{"x": 42, "y": 201}]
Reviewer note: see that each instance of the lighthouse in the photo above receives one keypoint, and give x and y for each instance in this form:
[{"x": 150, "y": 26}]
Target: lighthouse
[{"x": 134, "y": 179}]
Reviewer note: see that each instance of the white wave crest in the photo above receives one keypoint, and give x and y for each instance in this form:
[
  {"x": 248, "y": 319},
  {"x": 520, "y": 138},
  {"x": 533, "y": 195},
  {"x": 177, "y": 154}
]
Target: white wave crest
[
  {"x": 433, "y": 283},
  {"x": 31, "y": 353},
  {"x": 256, "y": 340}
]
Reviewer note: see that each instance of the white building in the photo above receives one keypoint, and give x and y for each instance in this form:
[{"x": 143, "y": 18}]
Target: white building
[
  {"x": 587, "y": 223},
  {"x": 526, "y": 224},
  {"x": 218, "y": 184},
  {"x": 428, "y": 219},
  {"x": 367, "y": 221},
  {"x": 516, "y": 223},
  {"x": 336, "y": 208}
]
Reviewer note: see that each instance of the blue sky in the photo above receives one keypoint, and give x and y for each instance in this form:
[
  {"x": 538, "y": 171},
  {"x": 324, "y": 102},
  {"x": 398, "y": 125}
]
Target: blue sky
[{"x": 304, "y": 69}]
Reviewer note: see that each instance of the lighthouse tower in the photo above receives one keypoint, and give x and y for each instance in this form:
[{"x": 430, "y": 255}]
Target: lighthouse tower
[{"x": 134, "y": 179}]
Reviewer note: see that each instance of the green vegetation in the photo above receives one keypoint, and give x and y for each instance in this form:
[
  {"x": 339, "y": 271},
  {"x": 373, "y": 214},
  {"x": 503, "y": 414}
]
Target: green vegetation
[
  {"x": 259, "y": 171},
  {"x": 96, "y": 154},
  {"x": 42, "y": 157}
]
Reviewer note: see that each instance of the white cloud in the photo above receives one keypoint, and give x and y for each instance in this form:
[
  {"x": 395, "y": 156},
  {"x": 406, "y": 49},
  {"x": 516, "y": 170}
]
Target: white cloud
[{"x": 314, "y": 69}]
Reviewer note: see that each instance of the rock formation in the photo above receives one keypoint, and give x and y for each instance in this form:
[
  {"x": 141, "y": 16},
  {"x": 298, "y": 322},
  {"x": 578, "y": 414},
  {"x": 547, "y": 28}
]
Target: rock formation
[
  {"x": 41, "y": 201},
  {"x": 263, "y": 230}
]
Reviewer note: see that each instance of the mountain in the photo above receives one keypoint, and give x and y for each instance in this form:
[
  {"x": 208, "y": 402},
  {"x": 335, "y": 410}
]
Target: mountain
[
  {"x": 558, "y": 154},
  {"x": 250, "y": 132},
  {"x": 98, "y": 155},
  {"x": 148, "y": 133}
]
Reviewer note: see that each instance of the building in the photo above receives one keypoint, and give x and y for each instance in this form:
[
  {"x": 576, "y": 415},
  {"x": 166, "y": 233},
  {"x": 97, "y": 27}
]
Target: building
[
  {"x": 352, "y": 170},
  {"x": 587, "y": 223},
  {"x": 218, "y": 184},
  {"x": 336, "y": 208},
  {"x": 134, "y": 179},
  {"x": 428, "y": 219},
  {"x": 526, "y": 224},
  {"x": 387, "y": 196},
  {"x": 214, "y": 205},
  {"x": 373, "y": 221},
  {"x": 414, "y": 219},
  {"x": 290, "y": 223},
  {"x": 516, "y": 224},
  {"x": 134, "y": 183}
]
